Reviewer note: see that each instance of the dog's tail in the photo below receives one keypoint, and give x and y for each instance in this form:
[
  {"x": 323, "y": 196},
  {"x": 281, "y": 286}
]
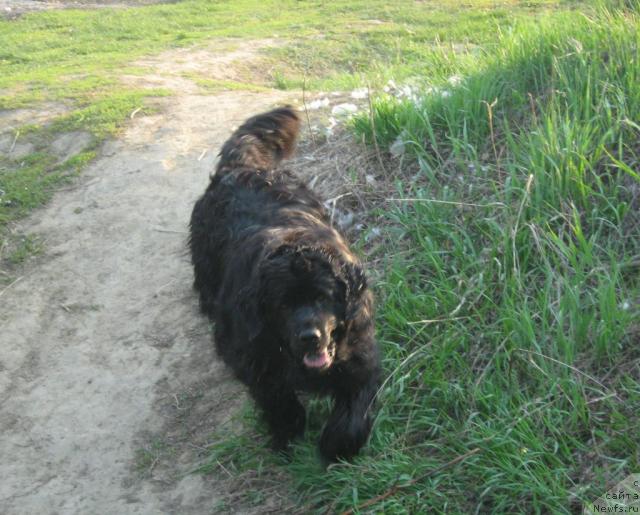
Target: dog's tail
[{"x": 262, "y": 141}]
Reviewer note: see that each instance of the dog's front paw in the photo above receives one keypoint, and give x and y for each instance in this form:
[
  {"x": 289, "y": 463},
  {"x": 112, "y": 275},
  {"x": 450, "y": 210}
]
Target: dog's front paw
[
  {"x": 288, "y": 427},
  {"x": 342, "y": 442}
]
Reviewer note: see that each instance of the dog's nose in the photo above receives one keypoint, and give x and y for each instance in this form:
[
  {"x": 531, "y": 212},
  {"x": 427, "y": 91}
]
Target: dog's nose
[{"x": 311, "y": 336}]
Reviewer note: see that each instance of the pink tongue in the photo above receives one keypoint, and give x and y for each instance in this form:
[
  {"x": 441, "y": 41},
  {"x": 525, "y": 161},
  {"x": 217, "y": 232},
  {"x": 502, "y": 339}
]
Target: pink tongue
[{"x": 316, "y": 360}]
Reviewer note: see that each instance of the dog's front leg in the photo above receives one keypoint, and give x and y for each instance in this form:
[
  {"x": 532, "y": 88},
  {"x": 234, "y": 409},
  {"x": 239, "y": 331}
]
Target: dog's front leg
[
  {"x": 281, "y": 408},
  {"x": 349, "y": 424}
]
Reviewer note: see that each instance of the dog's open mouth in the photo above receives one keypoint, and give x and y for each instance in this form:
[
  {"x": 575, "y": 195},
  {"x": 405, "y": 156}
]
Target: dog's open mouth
[{"x": 319, "y": 360}]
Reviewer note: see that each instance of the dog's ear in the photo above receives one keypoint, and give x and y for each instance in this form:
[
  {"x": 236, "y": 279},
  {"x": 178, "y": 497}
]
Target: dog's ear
[
  {"x": 264, "y": 287},
  {"x": 356, "y": 282},
  {"x": 300, "y": 263},
  {"x": 249, "y": 304}
]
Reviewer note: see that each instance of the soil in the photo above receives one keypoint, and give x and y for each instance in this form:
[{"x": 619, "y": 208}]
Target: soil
[
  {"x": 14, "y": 8},
  {"x": 109, "y": 386}
]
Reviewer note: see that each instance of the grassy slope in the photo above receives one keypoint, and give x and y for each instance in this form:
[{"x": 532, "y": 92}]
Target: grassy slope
[{"x": 531, "y": 274}]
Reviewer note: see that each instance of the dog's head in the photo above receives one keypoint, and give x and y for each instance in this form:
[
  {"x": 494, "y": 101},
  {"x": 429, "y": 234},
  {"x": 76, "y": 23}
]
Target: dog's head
[{"x": 309, "y": 297}]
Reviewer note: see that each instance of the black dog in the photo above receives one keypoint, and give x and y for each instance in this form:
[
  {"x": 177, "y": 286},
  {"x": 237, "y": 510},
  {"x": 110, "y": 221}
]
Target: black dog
[{"x": 290, "y": 302}]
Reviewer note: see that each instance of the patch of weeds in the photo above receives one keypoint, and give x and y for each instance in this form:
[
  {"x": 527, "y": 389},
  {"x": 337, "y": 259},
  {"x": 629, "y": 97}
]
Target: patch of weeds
[
  {"x": 148, "y": 456},
  {"x": 241, "y": 454},
  {"x": 76, "y": 163},
  {"x": 21, "y": 248},
  {"x": 279, "y": 80},
  {"x": 80, "y": 308},
  {"x": 214, "y": 85},
  {"x": 21, "y": 97},
  {"x": 222, "y": 506},
  {"x": 105, "y": 115},
  {"x": 25, "y": 185},
  {"x": 239, "y": 451},
  {"x": 30, "y": 182}
]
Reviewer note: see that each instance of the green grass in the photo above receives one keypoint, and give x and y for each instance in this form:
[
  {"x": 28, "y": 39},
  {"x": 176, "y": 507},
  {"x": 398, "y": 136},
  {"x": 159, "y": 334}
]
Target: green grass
[
  {"x": 509, "y": 305},
  {"x": 530, "y": 271},
  {"x": 25, "y": 247},
  {"x": 75, "y": 57},
  {"x": 217, "y": 85},
  {"x": 32, "y": 181},
  {"x": 28, "y": 182},
  {"x": 85, "y": 47}
]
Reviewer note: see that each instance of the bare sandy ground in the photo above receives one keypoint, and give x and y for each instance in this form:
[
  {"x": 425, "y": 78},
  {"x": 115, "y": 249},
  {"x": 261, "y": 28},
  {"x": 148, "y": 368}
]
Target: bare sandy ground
[
  {"x": 14, "y": 8},
  {"x": 102, "y": 345}
]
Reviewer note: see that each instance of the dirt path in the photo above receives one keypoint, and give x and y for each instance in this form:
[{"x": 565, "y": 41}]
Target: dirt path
[
  {"x": 14, "y": 8},
  {"x": 102, "y": 343}
]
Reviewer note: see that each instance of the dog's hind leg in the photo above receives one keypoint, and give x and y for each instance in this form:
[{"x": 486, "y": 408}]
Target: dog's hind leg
[{"x": 280, "y": 406}]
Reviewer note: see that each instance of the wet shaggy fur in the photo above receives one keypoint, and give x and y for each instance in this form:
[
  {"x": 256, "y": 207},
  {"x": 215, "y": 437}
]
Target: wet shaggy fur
[{"x": 290, "y": 301}]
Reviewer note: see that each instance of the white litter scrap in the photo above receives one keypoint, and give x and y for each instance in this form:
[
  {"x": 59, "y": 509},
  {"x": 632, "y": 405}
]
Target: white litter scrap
[
  {"x": 417, "y": 93},
  {"x": 332, "y": 125},
  {"x": 373, "y": 233},
  {"x": 411, "y": 93},
  {"x": 359, "y": 93},
  {"x": 346, "y": 109},
  {"x": 405, "y": 91},
  {"x": 344, "y": 220},
  {"x": 317, "y": 104},
  {"x": 398, "y": 147}
]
